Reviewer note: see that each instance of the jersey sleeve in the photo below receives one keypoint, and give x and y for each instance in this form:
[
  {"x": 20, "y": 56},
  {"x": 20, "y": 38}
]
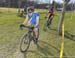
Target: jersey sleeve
[{"x": 37, "y": 14}]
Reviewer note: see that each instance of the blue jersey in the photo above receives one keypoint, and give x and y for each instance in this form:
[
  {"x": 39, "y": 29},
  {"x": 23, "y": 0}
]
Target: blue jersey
[{"x": 33, "y": 18}]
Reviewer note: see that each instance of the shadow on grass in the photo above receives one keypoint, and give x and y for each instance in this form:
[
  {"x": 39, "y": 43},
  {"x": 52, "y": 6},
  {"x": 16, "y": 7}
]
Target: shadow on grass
[
  {"x": 45, "y": 50},
  {"x": 67, "y": 35}
]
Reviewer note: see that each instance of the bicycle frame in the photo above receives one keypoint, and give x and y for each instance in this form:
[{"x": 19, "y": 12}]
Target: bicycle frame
[{"x": 30, "y": 30}]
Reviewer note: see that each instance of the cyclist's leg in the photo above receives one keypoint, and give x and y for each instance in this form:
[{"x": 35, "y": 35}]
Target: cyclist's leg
[
  {"x": 50, "y": 21},
  {"x": 36, "y": 34}
]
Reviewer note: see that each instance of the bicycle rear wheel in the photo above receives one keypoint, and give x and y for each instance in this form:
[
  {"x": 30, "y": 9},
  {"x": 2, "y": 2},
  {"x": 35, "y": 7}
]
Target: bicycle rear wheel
[{"x": 24, "y": 43}]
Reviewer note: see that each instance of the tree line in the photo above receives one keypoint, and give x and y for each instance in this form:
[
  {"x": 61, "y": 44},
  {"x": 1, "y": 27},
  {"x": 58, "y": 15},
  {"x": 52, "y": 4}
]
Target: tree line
[{"x": 22, "y": 3}]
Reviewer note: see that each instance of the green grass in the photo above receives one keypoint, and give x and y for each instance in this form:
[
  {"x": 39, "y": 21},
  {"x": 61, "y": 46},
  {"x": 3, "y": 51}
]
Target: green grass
[{"x": 49, "y": 42}]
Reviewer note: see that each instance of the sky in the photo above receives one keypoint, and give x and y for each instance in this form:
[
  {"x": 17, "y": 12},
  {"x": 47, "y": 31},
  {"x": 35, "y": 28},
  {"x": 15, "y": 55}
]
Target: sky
[{"x": 72, "y": 1}]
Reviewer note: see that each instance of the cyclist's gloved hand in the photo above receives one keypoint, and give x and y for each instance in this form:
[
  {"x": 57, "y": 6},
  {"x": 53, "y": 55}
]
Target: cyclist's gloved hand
[{"x": 21, "y": 26}]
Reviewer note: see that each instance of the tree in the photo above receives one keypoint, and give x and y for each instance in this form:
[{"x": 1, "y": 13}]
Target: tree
[
  {"x": 62, "y": 17},
  {"x": 9, "y": 4},
  {"x": 53, "y": 4},
  {"x": 19, "y": 6}
]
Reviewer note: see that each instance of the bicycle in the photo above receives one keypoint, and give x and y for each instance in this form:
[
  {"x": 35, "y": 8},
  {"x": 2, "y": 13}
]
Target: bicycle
[{"x": 26, "y": 39}]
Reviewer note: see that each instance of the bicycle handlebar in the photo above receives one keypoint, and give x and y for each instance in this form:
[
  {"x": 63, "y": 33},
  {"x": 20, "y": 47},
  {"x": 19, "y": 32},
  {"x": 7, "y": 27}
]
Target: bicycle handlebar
[{"x": 29, "y": 27}]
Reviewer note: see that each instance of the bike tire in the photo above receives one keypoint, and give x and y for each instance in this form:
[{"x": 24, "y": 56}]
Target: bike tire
[{"x": 24, "y": 43}]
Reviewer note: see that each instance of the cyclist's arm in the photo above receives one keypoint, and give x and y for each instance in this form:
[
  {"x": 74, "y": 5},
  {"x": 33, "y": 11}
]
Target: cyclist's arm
[{"x": 26, "y": 20}]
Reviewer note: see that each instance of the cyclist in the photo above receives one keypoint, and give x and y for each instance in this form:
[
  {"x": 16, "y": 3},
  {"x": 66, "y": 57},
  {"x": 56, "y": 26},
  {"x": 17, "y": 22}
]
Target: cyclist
[
  {"x": 21, "y": 14},
  {"x": 32, "y": 19},
  {"x": 50, "y": 17}
]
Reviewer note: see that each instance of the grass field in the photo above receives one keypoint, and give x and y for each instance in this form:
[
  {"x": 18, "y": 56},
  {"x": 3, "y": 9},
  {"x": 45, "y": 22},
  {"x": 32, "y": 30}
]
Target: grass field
[{"x": 49, "y": 42}]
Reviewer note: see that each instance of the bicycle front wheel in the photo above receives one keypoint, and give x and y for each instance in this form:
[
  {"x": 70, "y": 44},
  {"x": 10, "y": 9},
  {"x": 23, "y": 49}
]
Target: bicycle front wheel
[{"x": 24, "y": 44}]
